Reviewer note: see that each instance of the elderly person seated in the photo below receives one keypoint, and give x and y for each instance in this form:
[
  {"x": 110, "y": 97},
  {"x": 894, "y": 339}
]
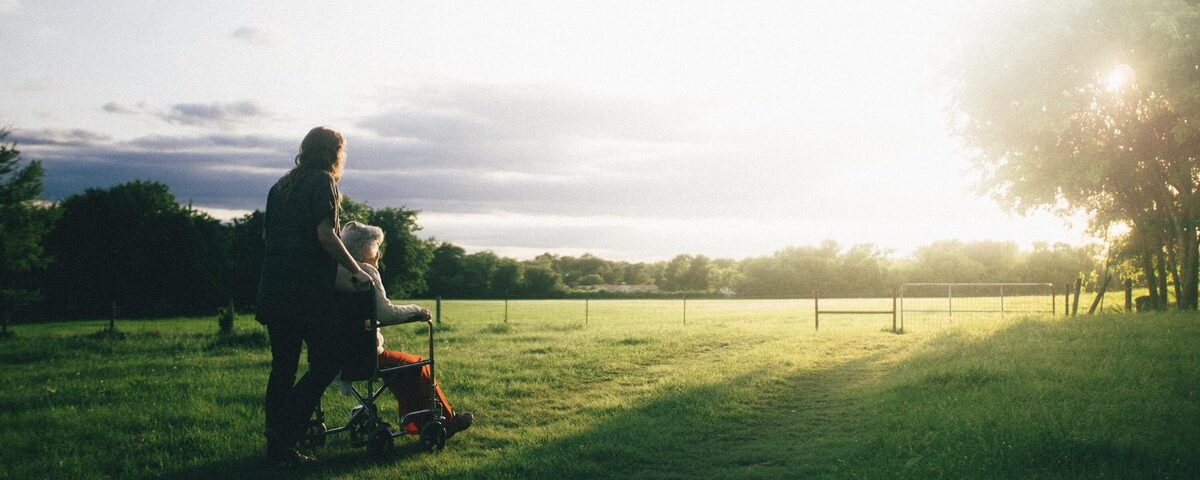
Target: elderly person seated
[{"x": 410, "y": 387}]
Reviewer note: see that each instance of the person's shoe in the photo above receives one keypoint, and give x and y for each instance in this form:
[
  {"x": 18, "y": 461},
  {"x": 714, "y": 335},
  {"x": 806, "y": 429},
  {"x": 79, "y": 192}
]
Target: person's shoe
[
  {"x": 460, "y": 422},
  {"x": 288, "y": 457}
]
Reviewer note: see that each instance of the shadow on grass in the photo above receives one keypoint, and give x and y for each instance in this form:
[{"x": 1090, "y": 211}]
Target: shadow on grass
[
  {"x": 1024, "y": 401},
  {"x": 967, "y": 407},
  {"x": 255, "y": 339}
]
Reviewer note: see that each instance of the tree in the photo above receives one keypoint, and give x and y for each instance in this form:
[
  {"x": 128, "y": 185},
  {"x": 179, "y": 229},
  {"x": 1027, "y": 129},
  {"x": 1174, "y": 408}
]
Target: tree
[
  {"x": 134, "y": 247},
  {"x": 446, "y": 275},
  {"x": 247, "y": 249},
  {"x": 352, "y": 211},
  {"x": 945, "y": 261},
  {"x": 674, "y": 275},
  {"x": 638, "y": 274},
  {"x": 1056, "y": 264},
  {"x": 23, "y": 224},
  {"x": 574, "y": 269},
  {"x": 590, "y": 280},
  {"x": 542, "y": 280},
  {"x": 1092, "y": 106},
  {"x": 508, "y": 277},
  {"x": 700, "y": 275},
  {"x": 406, "y": 258},
  {"x": 478, "y": 269}
]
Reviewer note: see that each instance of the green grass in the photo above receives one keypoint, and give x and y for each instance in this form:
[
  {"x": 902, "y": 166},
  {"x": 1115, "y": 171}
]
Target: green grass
[{"x": 746, "y": 389}]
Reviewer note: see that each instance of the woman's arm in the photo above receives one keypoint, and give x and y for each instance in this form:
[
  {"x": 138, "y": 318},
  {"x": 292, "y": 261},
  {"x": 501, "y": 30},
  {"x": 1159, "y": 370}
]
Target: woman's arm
[
  {"x": 332, "y": 244},
  {"x": 388, "y": 313}
]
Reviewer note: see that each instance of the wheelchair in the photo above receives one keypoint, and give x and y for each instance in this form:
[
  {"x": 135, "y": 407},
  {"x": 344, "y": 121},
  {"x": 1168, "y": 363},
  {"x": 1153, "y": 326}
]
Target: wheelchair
[{"x": 360, "y": 365}]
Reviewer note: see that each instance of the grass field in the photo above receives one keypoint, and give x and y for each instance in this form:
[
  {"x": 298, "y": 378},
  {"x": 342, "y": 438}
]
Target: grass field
[{"x": 746, "y": 389}]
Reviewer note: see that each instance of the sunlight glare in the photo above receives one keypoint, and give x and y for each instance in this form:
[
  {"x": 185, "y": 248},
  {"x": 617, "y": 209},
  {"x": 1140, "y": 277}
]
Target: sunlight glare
[{"x": 1120, "y": 77}]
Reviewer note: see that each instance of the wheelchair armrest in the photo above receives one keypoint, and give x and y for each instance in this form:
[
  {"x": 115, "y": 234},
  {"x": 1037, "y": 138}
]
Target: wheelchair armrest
[{"x": 413, "y": 318}]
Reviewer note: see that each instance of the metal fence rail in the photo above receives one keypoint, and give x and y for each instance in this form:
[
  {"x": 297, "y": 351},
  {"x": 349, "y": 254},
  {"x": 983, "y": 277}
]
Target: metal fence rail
[
  {"x": 1041, "y": 292},
  {"x": 817, "y": 312}
]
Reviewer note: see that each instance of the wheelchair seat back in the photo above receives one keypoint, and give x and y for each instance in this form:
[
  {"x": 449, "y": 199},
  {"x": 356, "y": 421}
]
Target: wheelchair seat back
[{"x": 356, "y": 315}]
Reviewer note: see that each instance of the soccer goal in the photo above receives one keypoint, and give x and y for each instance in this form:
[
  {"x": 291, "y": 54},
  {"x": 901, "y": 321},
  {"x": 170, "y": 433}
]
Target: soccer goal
[{"x": 949, "y": 301}]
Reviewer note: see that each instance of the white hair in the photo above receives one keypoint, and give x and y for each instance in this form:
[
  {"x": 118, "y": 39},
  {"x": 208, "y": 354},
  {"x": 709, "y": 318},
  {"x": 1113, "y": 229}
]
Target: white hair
[{"x": 359, "y": 239}]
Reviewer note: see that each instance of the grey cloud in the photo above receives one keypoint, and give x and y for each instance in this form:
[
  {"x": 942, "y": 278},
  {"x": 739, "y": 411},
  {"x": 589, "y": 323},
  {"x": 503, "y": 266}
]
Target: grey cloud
[
  {"x": 213, "y": 170},
  {"x": 169, "y": 143},
  {"x": 524, "y": 113},
  {"x": 120, "y": 108},
  {"x": 215, "y": 113},
  {"x": 235, "y": 172},
  {"x": 219, "y": 114},
  {"x": 456, "y": 150},
  {"x": 48, "y": 136},
  {"x": 526, "y": 129},
  {"x": 253, "y": 35}
]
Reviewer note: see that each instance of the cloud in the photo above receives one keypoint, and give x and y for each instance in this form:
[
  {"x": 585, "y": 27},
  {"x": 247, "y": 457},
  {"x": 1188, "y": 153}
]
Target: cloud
[
  {"x": 213, "y": 143},
  {"x": 484, "y": 147},
  {"x": 253, "y": 35},
  {"x": 9, "y": 5},
  {"x": 230, "y": 172},
  {"x": 49, "y": 136},
  {"x": 215, "y": 113},
  {"x": 120, "y": 108},
  {"x": 525, "y": 113}
]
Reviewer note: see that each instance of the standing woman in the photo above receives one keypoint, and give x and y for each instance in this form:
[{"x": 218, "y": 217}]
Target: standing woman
[{"x": 295, "y": 291}]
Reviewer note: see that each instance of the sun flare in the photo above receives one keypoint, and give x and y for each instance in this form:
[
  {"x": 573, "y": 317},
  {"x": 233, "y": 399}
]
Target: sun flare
[{"x": 1121, "y": 77}]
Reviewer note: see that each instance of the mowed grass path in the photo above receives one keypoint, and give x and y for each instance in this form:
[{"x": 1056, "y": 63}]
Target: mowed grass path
[{"x": 746, "y": 389}]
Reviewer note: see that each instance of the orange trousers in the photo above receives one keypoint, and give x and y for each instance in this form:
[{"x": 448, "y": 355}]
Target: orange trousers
[{"x": 411, "y": 387}]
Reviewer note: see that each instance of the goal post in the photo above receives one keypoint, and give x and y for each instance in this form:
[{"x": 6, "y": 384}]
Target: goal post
[{"x": 972, "y": 300}]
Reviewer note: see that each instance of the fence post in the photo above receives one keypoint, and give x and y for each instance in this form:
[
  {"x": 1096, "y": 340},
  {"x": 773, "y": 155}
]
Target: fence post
[
  {"x": 586, "y": 309},
  {"x": 893, "y": 311},
  {"x": 685, "y": 309},
  {"x": 1075, "y": 303},
  {"x": 1067, "y": 299},
  {"x": 816, "y": 310},
  {"x": 1002, "y": 302},
  {"x": 112, "y": 318},
  {"x": 1053, "y": 301},
  {"x": 1128, "y": 296},
  {"x": 437, "y": 308},
  {"x": 950, "y": 300}
]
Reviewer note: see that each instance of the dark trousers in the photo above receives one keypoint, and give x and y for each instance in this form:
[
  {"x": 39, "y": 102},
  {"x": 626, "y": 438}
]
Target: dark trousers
[{"x": 289, "y": 404}]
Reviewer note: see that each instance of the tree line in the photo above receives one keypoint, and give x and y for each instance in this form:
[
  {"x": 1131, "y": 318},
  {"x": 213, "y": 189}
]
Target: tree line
[{"x": 132, "y": 250}]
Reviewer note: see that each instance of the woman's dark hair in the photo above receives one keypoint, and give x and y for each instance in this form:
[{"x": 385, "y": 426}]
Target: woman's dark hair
[{"x": 322, "y": 150}]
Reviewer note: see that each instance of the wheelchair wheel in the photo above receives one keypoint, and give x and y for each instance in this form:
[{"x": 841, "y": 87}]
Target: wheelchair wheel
[
  {"x": 359, "y": 427},
  {"x": 315, "y": 435},
  {"x": 360, "y": 431},
  {"x": 379, "y": 444},
  {"x": 433, "y": 436}
]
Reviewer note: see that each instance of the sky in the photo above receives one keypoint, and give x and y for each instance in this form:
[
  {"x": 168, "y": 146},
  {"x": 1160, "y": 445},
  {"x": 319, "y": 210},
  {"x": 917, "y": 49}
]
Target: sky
[{"x": 631, "y": 130}]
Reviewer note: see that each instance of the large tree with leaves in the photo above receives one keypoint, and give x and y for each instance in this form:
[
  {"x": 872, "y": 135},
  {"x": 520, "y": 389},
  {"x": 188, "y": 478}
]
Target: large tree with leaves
[
  {"x": 23, "y": 223},
  {"x": 133, "y": 246},
  {"x": 1093, "y": 105}
]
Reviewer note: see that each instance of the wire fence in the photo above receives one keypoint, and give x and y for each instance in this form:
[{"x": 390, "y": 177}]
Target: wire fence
[{"x": 913, "y": 304}]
